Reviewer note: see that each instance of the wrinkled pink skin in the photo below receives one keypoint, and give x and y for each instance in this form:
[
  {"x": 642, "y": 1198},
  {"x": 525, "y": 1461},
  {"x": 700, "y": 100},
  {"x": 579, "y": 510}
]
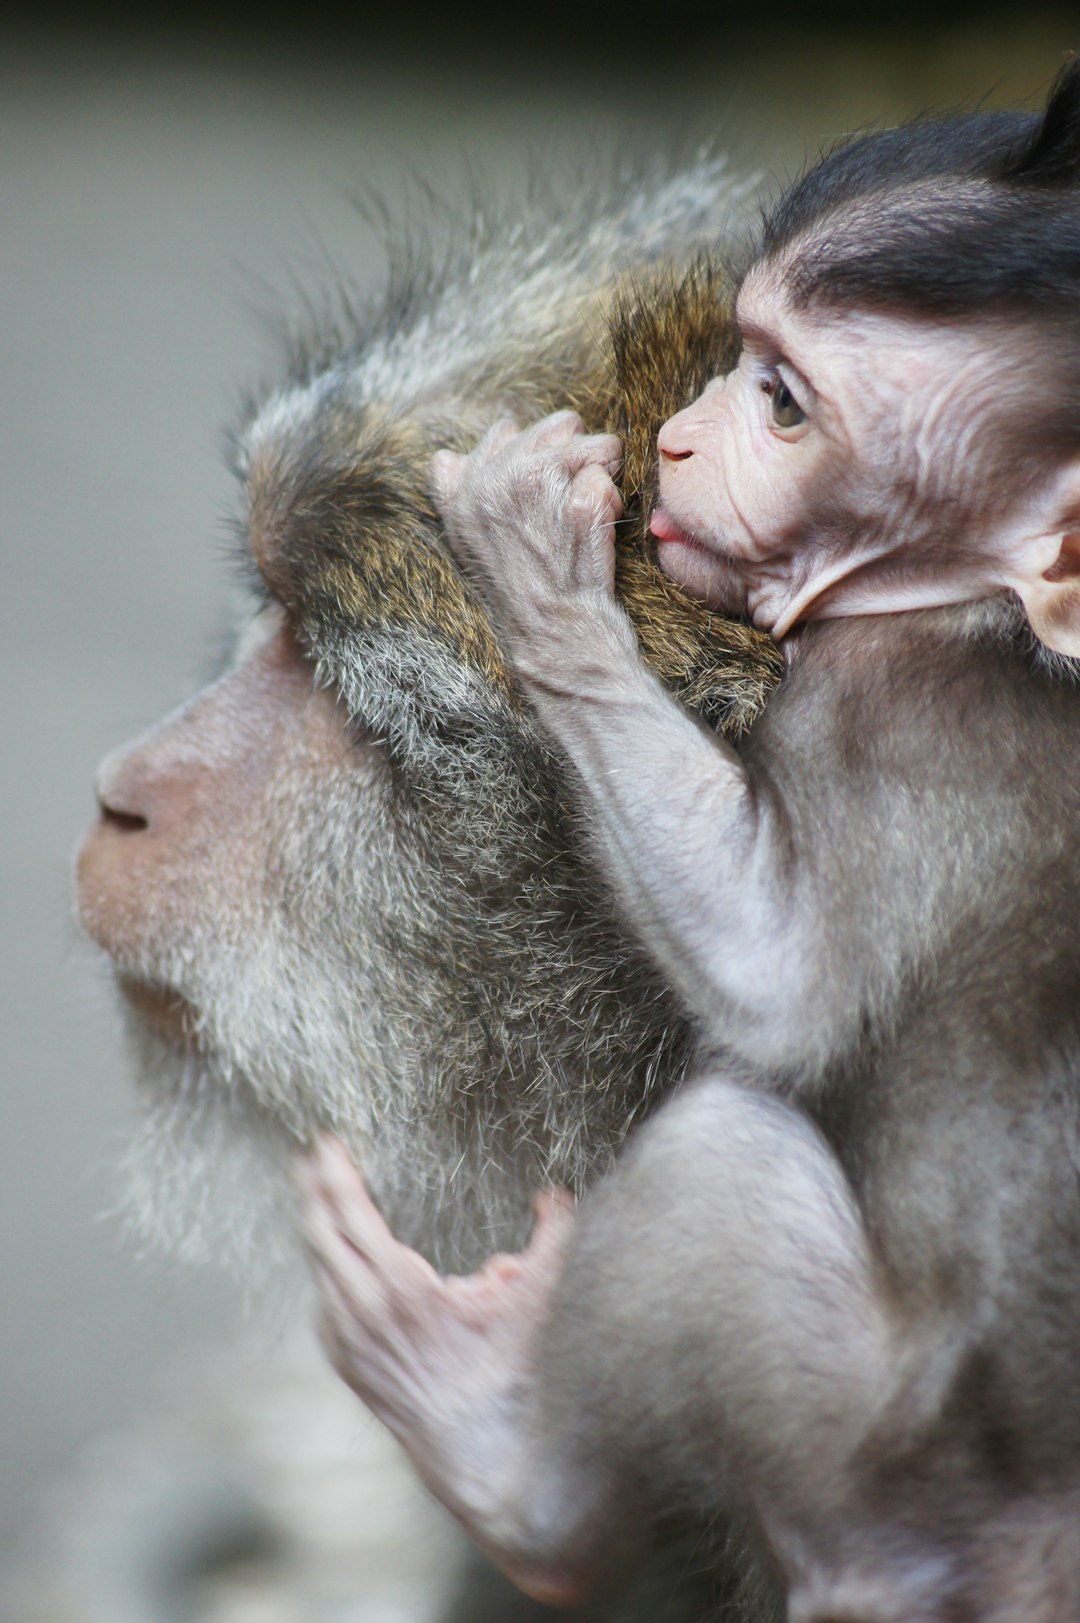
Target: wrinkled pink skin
[{"x": 447, "y": 1364}]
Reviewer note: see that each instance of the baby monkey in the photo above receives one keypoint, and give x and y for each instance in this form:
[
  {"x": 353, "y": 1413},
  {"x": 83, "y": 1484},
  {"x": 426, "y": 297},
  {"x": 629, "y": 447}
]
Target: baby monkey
[{"x": 835, "y": 1281}]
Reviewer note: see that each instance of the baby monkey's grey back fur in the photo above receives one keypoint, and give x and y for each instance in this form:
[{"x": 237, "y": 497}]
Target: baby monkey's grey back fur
[{"x": 856, "y": 1243}]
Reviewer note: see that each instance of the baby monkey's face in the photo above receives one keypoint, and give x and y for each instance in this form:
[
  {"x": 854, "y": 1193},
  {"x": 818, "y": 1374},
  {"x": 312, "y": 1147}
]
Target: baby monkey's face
[{"x": 847, "y": 465}]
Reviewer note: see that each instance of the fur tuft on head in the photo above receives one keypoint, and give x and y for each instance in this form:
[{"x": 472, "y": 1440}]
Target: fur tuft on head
[
  {"x": 944, "y": 218},
  {"x": 1051, "y": 158},
  {"x": 626, "y": 323}
]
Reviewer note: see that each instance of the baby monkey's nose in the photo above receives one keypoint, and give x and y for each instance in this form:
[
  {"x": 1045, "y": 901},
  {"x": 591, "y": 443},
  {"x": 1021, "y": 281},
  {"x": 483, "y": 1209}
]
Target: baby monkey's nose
[{"x": 672, "y": 439}]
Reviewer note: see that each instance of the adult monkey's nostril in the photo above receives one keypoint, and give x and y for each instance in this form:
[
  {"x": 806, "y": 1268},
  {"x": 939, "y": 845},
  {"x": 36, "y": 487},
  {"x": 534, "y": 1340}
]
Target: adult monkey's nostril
[{"x": 126, "y": 822}]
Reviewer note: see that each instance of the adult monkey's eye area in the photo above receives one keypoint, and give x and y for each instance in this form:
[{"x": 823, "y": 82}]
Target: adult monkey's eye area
[{"x": 786, "y": 411}]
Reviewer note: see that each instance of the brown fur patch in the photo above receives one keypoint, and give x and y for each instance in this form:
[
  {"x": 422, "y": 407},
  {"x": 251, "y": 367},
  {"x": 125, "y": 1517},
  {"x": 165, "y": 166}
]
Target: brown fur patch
[
  {"x": 667, "y": 341},
  {"x": 346, "y": 534}
]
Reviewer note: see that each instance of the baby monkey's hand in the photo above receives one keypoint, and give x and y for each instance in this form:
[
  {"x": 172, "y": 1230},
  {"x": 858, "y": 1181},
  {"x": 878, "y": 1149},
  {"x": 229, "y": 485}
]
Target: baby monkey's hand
[
  {"x": 449, "y": 1365},
  {"x": 532, "y": 515}
]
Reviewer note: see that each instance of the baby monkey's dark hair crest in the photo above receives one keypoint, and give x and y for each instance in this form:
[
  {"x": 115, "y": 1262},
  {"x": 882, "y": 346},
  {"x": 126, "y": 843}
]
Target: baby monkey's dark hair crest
[
  {"x": 1052, "y": 156},
  {"x": 969, "y": 215}
]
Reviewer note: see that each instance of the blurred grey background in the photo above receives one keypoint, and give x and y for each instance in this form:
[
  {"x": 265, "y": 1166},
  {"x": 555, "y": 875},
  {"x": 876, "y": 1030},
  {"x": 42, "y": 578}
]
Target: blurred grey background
[{"x": 158, "y": 187}]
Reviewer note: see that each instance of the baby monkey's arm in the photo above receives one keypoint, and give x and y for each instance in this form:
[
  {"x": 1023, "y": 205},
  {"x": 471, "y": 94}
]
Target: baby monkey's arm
[
  {"x": 710, "y": 1314},
  {"x": 532, "y": 514}
]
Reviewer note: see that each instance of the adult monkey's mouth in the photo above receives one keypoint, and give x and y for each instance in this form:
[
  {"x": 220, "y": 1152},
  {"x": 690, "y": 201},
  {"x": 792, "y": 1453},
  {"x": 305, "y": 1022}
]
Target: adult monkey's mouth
[{"x": 164, "y": 1011}]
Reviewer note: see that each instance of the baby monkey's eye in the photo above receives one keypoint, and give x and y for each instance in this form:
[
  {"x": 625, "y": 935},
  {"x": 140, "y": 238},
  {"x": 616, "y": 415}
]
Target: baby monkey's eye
[{"x": 786, "y": 411}]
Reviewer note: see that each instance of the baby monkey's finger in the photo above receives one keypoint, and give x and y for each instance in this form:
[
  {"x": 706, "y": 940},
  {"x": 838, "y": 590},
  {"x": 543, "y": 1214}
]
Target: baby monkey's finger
[
  {"x": 556, "y": 1211},
  {"x": 361, "y": 1224},
  {"x": 445, "y": 474},
  {"x": 596, "y": 451},
  {"x": 559, "y": 428},
  {"x": 593, "y": 493},
  {"x": 498, "y": 435}
]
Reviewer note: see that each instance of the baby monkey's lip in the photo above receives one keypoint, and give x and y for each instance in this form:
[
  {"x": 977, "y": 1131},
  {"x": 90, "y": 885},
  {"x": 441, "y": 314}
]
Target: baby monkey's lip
[{"x": 664, "y": 528}]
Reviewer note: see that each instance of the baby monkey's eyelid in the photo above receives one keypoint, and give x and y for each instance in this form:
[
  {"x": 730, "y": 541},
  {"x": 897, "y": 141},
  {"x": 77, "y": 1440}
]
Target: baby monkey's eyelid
[
  {"x": 797, "y": 385},
  {"x": 788, "y": 416}
]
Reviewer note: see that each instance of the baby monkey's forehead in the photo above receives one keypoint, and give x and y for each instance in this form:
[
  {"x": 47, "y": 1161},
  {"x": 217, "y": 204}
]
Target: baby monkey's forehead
[
  {"x": 858, "y": 356},
  {"x": 761, "y": 301},
  {"x": 772, "y": 328}
]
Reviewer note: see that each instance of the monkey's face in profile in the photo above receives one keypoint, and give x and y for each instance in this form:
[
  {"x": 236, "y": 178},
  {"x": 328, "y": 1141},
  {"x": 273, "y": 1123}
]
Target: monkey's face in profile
[
  {"x": 194, "y": 827},
  {"x": 797, "y": 471},
  {"x": 863, "y": 462},
  {"x": 312, "y": 928},
  {"x": 239, "y": 877}
]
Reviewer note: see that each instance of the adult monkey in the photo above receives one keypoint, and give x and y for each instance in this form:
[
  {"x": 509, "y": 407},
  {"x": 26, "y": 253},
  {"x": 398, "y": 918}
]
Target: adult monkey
[{"x": 357, "y": 902}]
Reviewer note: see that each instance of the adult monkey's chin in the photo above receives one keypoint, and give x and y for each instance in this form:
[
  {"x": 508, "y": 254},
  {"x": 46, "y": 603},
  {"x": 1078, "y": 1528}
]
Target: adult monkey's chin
[
  {"x": 206, "y": 1174},
  {"x": 209, "y": 1172}
]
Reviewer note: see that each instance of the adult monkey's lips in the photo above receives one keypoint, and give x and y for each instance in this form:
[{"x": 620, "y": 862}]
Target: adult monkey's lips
[{"x": 165, "y": 1012}]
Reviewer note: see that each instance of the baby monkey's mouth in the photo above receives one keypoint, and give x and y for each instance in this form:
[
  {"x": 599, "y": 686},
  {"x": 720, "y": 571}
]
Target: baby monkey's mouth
[
  {"x": 664, "y": 528},
  {"x": 712, "y": 577}
]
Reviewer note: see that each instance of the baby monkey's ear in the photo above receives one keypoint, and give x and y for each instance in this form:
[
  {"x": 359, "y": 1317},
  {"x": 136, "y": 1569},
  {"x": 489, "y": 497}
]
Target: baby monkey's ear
[{"x": 1048, "y": 584}]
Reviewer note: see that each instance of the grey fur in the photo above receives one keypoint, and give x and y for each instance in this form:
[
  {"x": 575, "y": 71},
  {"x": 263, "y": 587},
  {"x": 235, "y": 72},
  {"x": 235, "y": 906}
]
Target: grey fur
[
  {"x": 431, "y": 967},
  {"x": 468, "y": 880},
  {"x": 838, "y": 1274}
]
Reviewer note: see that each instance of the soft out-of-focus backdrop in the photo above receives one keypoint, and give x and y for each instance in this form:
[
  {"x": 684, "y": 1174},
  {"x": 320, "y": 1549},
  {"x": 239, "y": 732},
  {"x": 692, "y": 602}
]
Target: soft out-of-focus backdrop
[{"x": 159, "y": 186}]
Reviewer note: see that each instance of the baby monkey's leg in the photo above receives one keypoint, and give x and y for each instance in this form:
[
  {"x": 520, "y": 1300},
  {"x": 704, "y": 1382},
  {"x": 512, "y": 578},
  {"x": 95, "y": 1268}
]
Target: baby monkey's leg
[{"x": 710, "y": 1315}]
